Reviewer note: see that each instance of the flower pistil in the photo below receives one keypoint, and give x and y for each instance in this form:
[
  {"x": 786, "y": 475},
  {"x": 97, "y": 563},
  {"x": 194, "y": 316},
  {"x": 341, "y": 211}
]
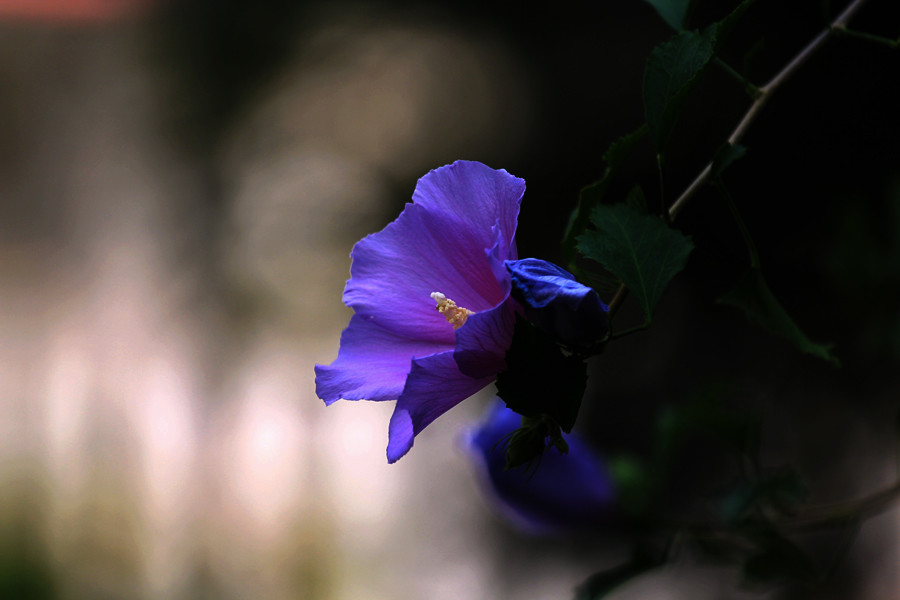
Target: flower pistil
[{"x": 455, "y": 315}]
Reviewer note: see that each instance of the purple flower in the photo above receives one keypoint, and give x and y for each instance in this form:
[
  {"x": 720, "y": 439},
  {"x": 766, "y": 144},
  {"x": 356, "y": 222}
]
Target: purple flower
[
  {"x": 431, "y": 296},
  {"x": 555, "y": 302},
  {"x": 566, "y": 492}
]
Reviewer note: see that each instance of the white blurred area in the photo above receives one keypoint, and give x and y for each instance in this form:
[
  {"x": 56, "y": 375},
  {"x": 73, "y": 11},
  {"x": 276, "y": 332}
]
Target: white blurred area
[{"x": 152, "y": 445}]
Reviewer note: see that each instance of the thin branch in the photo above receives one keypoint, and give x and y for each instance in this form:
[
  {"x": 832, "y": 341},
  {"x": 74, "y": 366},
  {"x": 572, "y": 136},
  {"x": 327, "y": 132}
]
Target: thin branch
[
  {"x": 748, "y": 86},
  {"x": 765, "y": 93},
  {"x": 869, "y": 37},
  {"x": 617, "y": 300}
]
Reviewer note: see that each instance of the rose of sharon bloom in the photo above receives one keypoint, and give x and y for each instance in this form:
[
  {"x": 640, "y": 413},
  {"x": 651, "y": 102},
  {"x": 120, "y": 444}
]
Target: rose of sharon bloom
[
  {"x": 566, "y": 492},
  {"x": 555, "y": 302},
  {"x": 433, "y": 316}
]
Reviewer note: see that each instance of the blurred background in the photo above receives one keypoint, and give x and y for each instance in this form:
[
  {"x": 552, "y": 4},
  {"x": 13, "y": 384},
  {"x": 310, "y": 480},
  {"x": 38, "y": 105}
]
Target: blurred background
[{"x": 180, "y": 186}]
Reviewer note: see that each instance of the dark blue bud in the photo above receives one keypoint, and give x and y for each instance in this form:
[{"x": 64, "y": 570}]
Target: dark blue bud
[
  {"x": 555, "y": 302},
  {"x": 566, "y": 492}
]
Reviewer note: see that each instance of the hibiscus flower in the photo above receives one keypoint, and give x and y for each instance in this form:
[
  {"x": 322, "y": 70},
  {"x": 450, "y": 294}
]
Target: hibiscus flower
[
  {"x": 567, "y": 492},
  {"x": 433, "y": 316}
]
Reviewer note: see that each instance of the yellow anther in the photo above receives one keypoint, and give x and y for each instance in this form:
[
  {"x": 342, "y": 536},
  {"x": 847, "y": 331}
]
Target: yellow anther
[{"x": 455, "y": 315}]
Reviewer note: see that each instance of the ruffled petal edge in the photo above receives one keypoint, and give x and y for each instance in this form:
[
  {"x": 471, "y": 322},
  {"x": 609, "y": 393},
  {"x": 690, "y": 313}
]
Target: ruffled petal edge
[{"x": 434, "y": 386}]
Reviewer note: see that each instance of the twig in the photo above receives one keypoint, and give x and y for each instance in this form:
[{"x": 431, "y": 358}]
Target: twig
[
  {"x": 869, "y": 37},
  {"x": 765, "y": 93}
]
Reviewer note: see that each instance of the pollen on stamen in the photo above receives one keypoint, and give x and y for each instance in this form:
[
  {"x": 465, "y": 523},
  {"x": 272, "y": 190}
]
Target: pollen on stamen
[{"x": 455, "y": 315}]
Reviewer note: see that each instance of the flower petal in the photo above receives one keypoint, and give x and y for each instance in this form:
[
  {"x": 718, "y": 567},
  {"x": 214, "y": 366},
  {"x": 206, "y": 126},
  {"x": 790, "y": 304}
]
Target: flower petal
[
  {"x": 438, "y": 244},
  {"x": 474, "y": 198},
  {"x": 481, "y": 344},
  {"x": 434, "y": 386},
  {"x": 372, "y": 363},
  {"x": 566, "y": 492}
]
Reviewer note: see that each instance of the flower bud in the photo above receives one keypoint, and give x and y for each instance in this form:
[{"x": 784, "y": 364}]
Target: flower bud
[{"x": 555, "y": 302}]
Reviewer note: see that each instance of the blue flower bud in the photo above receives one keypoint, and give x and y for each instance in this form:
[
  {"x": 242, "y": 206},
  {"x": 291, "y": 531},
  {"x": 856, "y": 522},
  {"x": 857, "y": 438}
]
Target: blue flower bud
[
  {"x": 555, "y": 302},
  {"x": 567, "y": 492}
]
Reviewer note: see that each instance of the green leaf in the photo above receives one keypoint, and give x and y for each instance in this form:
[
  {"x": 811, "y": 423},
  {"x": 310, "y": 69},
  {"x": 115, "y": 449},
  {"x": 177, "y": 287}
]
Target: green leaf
[
  {"x": 753, "y": 296},
  {"x": 599, "y": 585},
  {"x": 591, "y": 195},
  {"x": 673, "y": 70},
  {"x": 636, "y": 200},
  {"x": 672, "y": 12},
  {"x": 619, "y": 150},
  {"x": 540, "y": 379},
  {"x": 527, "y": 443},
  {"x": 638, "y": 249}
]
